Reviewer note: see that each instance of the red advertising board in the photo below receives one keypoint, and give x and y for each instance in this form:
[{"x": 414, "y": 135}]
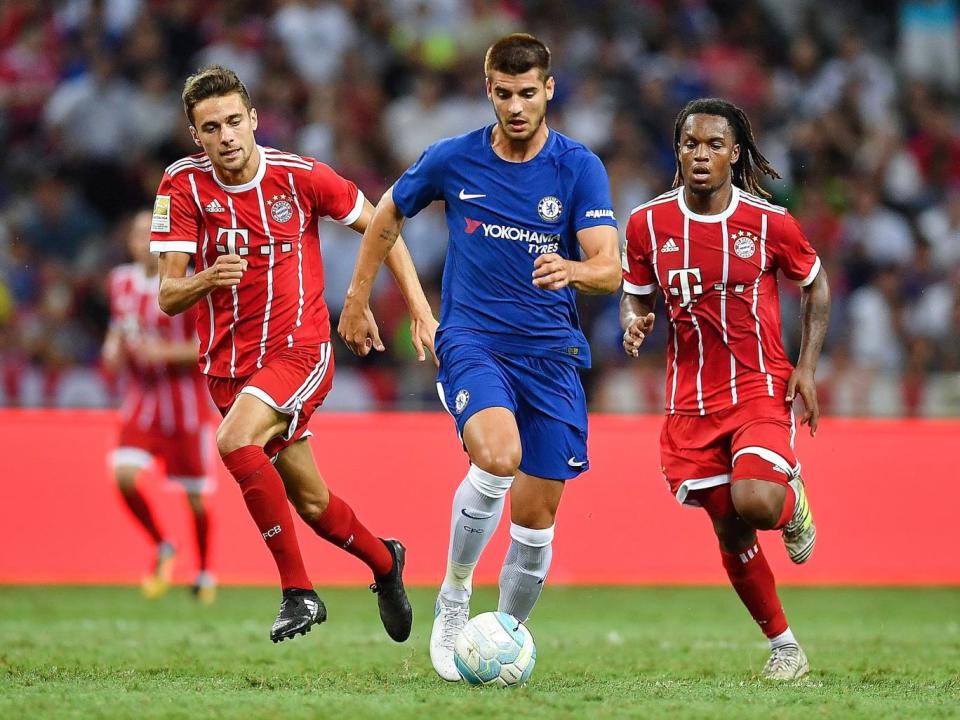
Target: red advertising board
[{"x": 883, "y": 493}]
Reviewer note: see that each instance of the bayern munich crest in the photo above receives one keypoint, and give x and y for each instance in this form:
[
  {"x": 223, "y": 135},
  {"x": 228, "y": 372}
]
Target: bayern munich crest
[
  {"x": 744, "y": 243},
  {"x": 460, "y": 402},
  {"x": 550, "y": 208},
  {"x": 280, "y": 208}
]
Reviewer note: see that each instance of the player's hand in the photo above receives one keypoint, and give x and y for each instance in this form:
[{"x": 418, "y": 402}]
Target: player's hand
[
  {"x": 227, "y": 270},
  {"x": 636, "y": 333},
  {"x": 147, "y": 351},
  {"x": 552, "y": 272},
  {"x": 423, "y": 331},
  {"x": 801, "y": 381},
  {"x": 358, "y": 329}
]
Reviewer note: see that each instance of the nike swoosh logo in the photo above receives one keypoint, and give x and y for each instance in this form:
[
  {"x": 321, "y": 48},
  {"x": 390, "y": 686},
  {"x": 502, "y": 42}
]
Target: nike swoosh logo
[
  {"x": 574, "y": 463},
  {"x": 477, "y": 517},
  {"x": 464, "y": 195}
]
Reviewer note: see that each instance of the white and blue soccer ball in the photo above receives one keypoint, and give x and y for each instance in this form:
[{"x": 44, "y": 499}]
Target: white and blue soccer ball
[{"x": 495, "y": 649}]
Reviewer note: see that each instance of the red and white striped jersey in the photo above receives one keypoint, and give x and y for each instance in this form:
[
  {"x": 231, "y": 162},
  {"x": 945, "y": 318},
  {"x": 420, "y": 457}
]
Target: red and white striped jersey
[
  {"x": 167, "y": 398},
  {"x": 273, "y": 222},
  {"x": 718, "y": 275}
]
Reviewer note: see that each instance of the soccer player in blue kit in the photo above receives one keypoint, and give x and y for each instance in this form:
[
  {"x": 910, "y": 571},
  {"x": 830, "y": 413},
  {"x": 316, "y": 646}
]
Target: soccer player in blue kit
[{"x": 530, "y": 221}]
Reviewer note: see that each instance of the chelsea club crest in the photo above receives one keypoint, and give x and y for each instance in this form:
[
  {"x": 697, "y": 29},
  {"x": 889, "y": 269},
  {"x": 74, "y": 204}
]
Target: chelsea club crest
[
  {"x": 460, "y": 402},
  {"x": 550, "y": 208}
]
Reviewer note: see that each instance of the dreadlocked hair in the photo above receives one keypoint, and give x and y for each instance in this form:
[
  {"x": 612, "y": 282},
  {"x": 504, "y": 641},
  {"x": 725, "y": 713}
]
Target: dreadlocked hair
[{"x": 751, "y": 164}]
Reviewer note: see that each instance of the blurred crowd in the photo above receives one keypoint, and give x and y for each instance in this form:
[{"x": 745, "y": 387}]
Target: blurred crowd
[{"x": 855, "y": 103}]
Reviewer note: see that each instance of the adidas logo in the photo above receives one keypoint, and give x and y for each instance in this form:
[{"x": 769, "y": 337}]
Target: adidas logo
[
  {"x": 214, "y": 206},
  {"x": 669, "y": 246}
]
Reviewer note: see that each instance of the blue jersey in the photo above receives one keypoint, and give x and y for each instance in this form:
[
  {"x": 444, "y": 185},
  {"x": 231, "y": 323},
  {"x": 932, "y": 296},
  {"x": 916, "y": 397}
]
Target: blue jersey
[{"x": 501, "y": 215}]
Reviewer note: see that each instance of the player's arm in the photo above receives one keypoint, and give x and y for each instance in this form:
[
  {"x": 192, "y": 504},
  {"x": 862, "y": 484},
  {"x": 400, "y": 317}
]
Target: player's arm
[
  {"x": 636, "y": 319},
  {"x": 112, "y": 350},
  {"x": 168, "y": 352},
  {"x": 180, "y": 291},
  {"x": 423, "y": 325},
  {"x": 815, "y": 315},
  {"x": 597, "y": 274}
]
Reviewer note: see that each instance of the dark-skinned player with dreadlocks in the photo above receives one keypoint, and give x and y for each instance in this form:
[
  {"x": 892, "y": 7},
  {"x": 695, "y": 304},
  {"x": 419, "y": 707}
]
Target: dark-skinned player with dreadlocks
[{"x": 713, "y": 245}]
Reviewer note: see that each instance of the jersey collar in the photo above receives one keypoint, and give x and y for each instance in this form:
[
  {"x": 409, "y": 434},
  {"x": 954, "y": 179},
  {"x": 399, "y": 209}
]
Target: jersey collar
[
  {"x": 261, "y": 171},
  {"x": 719, "y": 217}
]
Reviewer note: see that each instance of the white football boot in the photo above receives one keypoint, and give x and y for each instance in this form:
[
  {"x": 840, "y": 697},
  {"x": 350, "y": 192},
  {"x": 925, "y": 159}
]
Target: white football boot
[
  {"x": 448, "y": 621},
  {"x": 787, "y": 662},
  {"x": 800, "y": 534}
]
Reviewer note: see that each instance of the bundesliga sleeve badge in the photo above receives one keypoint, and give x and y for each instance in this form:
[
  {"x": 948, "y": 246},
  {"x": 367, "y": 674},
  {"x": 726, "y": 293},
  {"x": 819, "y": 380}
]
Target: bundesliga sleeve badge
[{"x": 161, "y": 214}]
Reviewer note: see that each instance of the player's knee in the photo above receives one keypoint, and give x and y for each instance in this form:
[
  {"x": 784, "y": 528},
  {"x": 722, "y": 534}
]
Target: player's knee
[
  {"x": 310, "y": 506},
  {"x": 757, "y": 502},
  {"x": 126, "y": 478},
  {"x": 230, "y": 438},
  {"x": 502, "y": 462}
]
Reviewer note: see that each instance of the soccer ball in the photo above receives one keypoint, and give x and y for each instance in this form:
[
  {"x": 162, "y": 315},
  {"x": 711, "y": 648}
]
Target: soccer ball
[{"x": 495, "y": 649}]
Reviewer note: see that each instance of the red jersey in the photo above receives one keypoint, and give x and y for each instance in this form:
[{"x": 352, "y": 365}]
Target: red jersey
[
  {"x": 164, "y": 398},
  {"x": 718, "y": 275},
  {"x": 273, "y": 222}
]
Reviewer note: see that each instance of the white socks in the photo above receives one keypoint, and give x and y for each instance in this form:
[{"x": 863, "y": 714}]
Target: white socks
[
  {"x": 477, "y": 506},
  {"x": 524, "y": 569},
  {"x": 784, "y": 638}
]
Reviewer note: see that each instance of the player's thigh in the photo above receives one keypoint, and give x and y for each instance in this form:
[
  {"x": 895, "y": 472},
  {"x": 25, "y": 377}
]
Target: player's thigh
[
  {"x": 551, "y": 417},
  {"x": 762, "y": 445},
  {"x": 534, "y": 501},
  {"x": 476, "y": 392},
  {"x": 250, "y": 421},
  {"x": 694, "y": 454}
]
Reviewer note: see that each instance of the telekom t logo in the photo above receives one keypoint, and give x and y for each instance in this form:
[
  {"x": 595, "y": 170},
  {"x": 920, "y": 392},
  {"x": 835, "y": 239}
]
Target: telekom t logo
[
  {"x": 232, "y": 237},
  {"x": 686, "y": 291}
]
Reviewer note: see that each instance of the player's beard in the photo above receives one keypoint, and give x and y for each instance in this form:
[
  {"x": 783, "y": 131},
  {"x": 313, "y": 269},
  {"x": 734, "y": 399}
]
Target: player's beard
[{"x": 533, "y": 125}]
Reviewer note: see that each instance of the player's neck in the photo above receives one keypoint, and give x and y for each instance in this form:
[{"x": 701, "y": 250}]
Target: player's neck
[
  {"x": 712, "y": 203},
  {"x": 242, "y": 176},
  {"x": 520, "y": 150}
]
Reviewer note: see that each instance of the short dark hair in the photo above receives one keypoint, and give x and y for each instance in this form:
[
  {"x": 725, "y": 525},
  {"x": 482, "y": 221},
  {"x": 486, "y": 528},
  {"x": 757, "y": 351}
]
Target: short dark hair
[
  {"x": 516, "y": 54},
  {"x": 212, "y": 81},
  {"x": 751, "y": 164}
]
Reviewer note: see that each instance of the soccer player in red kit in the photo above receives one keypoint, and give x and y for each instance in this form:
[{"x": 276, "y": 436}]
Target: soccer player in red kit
[
  {"x": 164, "y": 413},
  {"x": 249, "y": 217},
  {"x": 713, "y": 246}
]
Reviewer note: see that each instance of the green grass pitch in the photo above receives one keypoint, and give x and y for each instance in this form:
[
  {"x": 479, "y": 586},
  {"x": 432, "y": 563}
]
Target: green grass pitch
[{"x": 95, "y": 652}]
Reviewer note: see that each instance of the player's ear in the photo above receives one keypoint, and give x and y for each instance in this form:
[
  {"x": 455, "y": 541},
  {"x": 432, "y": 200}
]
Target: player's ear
[
  {"x": 489, "y": 87},
  {"x": 735, "y": 154},
  {"x": 253, "y": 118},
  {"x": 550, "y": 85},
  {"x": 193, "y": 134}
]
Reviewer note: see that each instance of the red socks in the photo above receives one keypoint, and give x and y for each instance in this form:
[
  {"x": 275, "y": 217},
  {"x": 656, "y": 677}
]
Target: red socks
[
  {"x": 339, "y": 525},
  {"x": 266, "y": 502},
  {"x": 201, "y": 525},
  {"x": 141, "y": 511},
  {"x": 753, "y": 580},
  {"x": 789, "y": 503}
]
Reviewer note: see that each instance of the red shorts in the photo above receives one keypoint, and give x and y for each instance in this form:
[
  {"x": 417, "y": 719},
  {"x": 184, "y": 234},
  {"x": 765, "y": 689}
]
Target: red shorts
[
  {"x": 294, "y": 382},
  {"x": 185, "y": 454},
  {"x": 753, "y": 439}
]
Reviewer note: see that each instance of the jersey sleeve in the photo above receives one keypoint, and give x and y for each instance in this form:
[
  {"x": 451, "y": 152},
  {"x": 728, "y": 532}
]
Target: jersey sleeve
[
  {"x": 336, "y": 197},
  {"x": 421, "y": 184},
  {"x": 794, "y": 255},
  {"x": 592, "y": 203},
  {"x": 638, "y": 275},
  {"x": 176, "y": 222}
]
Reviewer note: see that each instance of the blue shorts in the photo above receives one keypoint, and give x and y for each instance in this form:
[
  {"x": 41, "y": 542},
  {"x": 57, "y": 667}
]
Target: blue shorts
[{"x": 545, "y": 396}]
